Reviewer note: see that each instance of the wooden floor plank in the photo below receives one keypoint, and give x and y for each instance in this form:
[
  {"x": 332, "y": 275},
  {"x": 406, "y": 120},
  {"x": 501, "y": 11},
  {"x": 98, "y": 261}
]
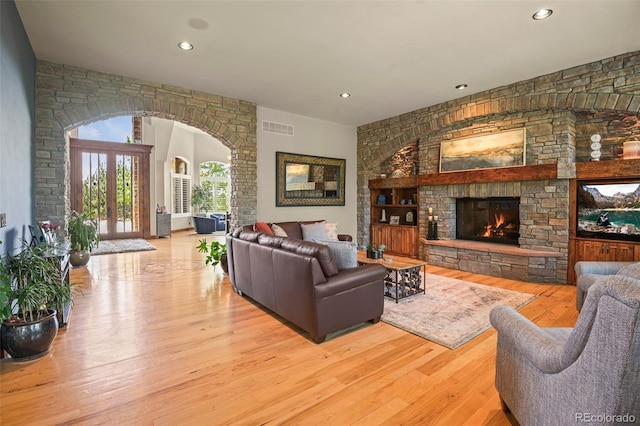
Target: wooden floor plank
[{"x": 160, "y": 338}]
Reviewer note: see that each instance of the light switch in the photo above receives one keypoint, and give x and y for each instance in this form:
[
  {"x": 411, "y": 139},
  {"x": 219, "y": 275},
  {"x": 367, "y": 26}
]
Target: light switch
[{"x": 3, "y": 220}]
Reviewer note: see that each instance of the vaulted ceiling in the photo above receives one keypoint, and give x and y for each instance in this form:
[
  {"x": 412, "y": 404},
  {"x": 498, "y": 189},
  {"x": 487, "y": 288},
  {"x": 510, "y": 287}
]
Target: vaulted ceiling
[{"x": 298, "y": 56}]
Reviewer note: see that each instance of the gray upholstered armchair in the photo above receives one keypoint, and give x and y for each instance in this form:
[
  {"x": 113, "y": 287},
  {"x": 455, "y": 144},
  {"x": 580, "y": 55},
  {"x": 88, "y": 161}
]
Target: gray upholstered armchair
[
  {"x": 588, "y": 272},
  {"x": 560, "y": 376}
]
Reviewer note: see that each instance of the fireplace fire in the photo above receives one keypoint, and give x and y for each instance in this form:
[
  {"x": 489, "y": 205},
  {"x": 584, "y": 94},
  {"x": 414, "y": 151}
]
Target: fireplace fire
[{"x": 488, "y": 219}]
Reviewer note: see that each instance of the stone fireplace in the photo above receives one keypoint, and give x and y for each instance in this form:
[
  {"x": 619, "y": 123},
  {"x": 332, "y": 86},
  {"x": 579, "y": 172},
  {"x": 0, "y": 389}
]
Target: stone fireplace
[
  {"x": 524, "y": 222},
  {"x": 492, "y": 220}
]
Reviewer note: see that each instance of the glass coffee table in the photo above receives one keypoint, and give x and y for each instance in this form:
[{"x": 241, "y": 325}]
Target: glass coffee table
[{"x": 403, "y": 274}]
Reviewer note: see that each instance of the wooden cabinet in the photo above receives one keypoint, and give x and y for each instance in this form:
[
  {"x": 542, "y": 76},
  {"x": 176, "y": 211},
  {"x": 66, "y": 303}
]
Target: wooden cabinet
[
  {"x": 394, "y": 220},
  {"x": 605, "y": 250},
  {"x": 163, "y": 225},
  {"x": 398, "y": 239},
  {"x": 602, "y": 250}
]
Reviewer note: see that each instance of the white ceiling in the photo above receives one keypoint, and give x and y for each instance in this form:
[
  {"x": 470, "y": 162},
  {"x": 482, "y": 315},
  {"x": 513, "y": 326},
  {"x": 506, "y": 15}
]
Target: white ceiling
[{"x": 297, "y": 56}]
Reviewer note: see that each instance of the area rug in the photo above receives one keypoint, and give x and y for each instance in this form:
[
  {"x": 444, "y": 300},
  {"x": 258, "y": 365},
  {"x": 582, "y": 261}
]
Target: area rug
[
  {"x": 452, "y": 311},
  {"x": 122, "y": 246}
]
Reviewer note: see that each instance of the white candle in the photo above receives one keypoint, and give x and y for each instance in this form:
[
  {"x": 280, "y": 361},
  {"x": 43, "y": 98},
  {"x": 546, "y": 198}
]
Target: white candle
[
  {"x": 435, "y": 218},
  {"x": 430, "y": 218},
  {"x": 430, "y": 210}
]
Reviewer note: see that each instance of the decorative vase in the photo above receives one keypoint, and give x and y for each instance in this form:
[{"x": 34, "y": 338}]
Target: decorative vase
[
  {"x": 30, "y": 340},
  {"x": 79, "y": 258}
]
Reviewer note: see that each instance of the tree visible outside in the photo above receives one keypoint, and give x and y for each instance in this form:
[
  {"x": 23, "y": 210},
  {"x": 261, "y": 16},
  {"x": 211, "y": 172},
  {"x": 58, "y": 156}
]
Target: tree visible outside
[
  {"x": 94, "y": 191},
  {"x": 214, "y": 178}
]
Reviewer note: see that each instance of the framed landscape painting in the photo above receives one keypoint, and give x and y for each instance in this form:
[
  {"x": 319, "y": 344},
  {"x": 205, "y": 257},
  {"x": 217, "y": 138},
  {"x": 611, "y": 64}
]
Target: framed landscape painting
[{"x": 505, "y": 149}]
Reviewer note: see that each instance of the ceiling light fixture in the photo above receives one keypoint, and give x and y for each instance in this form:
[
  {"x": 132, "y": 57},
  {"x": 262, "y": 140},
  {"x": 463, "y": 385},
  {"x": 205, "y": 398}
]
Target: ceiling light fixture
[
  {"x": 185, "y": 45},
  {"x": 345, "y": 94},
  {"x": 542, "y": 14},
  {"x": 462, "y": 86}
]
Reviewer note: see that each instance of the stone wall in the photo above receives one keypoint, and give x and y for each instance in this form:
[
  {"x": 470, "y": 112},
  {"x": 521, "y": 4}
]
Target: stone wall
[
  {"x": 547, "y": 106},
  {"x": 67, "y": 97}
]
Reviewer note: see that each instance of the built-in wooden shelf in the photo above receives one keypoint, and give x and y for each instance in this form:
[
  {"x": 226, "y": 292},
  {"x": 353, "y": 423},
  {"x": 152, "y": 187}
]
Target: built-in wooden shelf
[{"x": 611, "y": 169}]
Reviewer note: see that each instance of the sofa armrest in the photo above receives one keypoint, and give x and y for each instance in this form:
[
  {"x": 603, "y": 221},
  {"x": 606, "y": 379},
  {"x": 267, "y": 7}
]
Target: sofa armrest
[
  {"x": 599, "y": 268},
  {"x": 349, "y": 279},
  {"x": 542, "y": 346}
]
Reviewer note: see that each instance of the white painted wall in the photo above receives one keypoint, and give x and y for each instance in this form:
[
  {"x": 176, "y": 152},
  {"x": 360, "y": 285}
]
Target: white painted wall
[
  {"x": 311, "y": 137},
  {"x": 169, "y": 140}
]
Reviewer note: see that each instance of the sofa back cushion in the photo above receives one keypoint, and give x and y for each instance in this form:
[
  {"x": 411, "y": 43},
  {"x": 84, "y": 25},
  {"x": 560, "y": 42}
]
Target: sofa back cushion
[
  {"x": 270, "y": 240},
  {"x": 292, "y": 229},
  {"x": 249, "y": 236},
  {"x": 308, "y": 248}
]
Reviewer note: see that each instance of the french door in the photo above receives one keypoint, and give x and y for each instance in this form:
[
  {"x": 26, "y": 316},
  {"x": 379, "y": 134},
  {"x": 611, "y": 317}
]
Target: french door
[{"x": 111, "y": 180}]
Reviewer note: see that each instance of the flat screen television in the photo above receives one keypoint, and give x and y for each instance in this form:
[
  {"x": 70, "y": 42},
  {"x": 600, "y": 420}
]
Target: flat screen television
[{"x": 609, "y": 210}]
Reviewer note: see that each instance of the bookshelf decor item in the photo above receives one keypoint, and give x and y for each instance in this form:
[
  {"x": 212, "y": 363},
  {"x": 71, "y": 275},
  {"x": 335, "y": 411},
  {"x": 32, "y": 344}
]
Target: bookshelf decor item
[{"x": 432, "y": 226}]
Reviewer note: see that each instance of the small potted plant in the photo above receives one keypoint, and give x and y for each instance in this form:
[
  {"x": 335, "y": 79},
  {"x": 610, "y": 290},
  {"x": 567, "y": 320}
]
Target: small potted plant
[
  {"x": 216, "y": 253},
  {"x": 84, "y": 237},
  {"x": 30, "y": 282},
  {"x": 373, "y": 252}
]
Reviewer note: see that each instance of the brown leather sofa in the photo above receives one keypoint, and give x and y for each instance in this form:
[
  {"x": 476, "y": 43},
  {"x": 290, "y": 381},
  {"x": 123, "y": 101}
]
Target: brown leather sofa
[{"x": 299, "y": 281}]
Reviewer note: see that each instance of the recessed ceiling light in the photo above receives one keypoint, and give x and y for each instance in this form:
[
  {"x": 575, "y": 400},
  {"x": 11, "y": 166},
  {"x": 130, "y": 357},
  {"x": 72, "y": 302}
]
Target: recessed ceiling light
[
  {"x": 345, "y": 94},
  {"x": 462, "y": 86},
  {"x": 185, "y": 45},
  {"x": 542, "y": 14}
]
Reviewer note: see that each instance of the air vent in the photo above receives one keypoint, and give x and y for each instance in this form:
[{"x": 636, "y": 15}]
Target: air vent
[{"x": 282, "y": 129}]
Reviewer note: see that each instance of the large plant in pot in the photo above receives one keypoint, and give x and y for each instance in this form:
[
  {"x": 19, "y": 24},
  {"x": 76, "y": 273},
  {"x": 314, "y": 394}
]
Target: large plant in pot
[
  {"x": 30, "y": 285},
  {"x": 84, "y": 237}
]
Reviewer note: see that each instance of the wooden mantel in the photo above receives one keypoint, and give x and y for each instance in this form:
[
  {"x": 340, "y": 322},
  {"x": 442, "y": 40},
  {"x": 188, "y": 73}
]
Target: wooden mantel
[
  {"x": 610, "y": 169},
  {"x": 506, "y": 174}
]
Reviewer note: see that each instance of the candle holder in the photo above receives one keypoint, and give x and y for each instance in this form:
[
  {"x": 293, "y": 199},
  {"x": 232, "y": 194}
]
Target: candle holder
[{"x": 432, "y": 227}]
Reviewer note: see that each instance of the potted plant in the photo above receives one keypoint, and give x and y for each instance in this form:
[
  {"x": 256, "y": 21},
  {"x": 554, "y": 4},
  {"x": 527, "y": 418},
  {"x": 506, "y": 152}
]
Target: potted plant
[
  {"x": 216, "y": 253},
  {"x": 31, "y": 281},
  {"x": 375, "y": 253},
  {"x": 84, "y": 237}
]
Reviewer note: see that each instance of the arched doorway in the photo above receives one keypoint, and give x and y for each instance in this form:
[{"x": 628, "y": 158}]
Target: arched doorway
[{"x": 97, "y": 96}]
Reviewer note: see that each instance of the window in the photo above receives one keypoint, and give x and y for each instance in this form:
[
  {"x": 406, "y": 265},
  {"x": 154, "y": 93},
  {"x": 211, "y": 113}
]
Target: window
[
  {"x": 180, "y": 186},
  {"x": 214, "y": 177}
]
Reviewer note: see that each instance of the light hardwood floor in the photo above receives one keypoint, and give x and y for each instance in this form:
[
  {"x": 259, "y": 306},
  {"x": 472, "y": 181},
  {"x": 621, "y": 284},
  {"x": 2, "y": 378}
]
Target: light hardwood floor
[{"x": 159, "y": 338}]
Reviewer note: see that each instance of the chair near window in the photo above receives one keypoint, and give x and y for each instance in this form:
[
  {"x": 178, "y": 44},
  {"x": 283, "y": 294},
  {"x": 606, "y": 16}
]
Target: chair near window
[{"x": 559, "y": 376}]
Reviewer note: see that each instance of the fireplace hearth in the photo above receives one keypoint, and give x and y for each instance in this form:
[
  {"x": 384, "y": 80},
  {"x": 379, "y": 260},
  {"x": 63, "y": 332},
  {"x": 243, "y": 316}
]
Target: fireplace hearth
[{"x": 495, "y": 219}]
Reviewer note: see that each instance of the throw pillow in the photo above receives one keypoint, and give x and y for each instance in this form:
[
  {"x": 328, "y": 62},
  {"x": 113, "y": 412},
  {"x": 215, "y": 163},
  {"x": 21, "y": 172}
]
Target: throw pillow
[
  {"x": 314, "y": 231},
  {"x": 332, "y": 231},
  {"x": 632, "y": 271},
  {"x": 262, "y": 227},
  {"x": 345, "y": 253},
  {"x": 278, "y": 231}
]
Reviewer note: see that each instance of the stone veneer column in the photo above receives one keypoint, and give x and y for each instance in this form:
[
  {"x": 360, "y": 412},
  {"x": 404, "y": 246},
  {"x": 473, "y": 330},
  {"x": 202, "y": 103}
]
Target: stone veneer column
[{"x": 67, "y": 97}]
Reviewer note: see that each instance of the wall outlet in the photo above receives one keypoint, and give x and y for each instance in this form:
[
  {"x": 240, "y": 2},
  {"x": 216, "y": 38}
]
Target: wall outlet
[{"x": 3, "y": 220}]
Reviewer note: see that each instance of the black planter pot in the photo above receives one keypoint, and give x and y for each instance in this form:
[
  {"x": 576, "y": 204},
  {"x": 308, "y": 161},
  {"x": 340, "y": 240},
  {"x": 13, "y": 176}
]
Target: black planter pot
[
  {"x": 32, "y": 340},
  {"x": 224, "y": 264},
  {"x": 374, "y": 254}
]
